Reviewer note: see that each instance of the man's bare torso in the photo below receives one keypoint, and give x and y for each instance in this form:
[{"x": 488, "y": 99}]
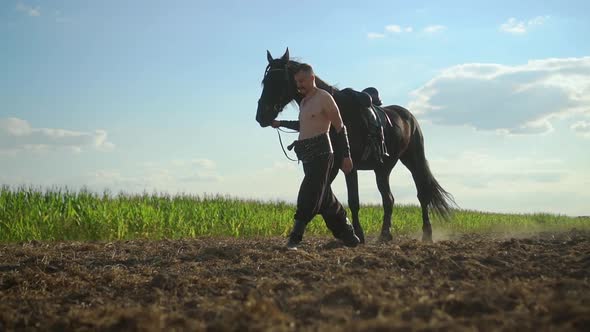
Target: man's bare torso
[{"x": 312, "y": 117}]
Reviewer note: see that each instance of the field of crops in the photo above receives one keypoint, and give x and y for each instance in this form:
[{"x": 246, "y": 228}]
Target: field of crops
[{"x": 61, "y": 214}]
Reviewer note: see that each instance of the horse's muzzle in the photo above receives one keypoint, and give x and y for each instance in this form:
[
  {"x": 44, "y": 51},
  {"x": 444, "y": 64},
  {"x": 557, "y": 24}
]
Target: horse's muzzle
[{"x": 263, "y": 115}]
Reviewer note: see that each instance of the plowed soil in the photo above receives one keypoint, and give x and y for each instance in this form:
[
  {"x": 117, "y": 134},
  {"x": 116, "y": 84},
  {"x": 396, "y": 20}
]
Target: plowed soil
[{"x": 468, "y": 282}]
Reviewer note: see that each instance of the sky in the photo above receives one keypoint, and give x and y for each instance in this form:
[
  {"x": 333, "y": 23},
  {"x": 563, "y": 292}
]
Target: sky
[{"x": 160, "y": 96}]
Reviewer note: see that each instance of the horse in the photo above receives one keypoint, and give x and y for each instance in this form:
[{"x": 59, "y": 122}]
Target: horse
[{"x": 403, "y": 138}]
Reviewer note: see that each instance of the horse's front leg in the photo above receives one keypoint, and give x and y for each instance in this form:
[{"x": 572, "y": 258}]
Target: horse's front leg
[{"x": 352, "y": 185}]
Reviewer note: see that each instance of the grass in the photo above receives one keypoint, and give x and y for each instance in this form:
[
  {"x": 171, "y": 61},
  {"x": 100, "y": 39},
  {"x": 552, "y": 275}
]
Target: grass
[{"x": 60, "y": 214}]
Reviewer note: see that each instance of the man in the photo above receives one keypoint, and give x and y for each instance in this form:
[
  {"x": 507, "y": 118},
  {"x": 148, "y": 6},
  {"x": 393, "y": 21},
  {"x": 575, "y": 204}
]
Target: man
[{"x": 317, "y": 112}]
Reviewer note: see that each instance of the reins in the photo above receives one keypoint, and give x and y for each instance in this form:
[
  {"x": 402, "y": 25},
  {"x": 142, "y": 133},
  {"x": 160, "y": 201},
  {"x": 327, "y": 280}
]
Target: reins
[{"x": 281, "y": 141}]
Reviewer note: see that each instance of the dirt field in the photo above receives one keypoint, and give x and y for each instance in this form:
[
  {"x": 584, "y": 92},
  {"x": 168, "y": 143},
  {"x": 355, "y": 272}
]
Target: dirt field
[{"x": 469, "y": 282}]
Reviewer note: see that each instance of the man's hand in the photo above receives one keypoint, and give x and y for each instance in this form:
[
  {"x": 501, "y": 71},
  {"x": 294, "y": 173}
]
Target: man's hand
[
  {"x": 346, "y": 165},
  {"x": 275, "y": 123}
]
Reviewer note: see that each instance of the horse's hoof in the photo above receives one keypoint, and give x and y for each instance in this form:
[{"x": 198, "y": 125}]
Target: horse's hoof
[
  {"x": 360, "y": 234},
  {"x": 427, "y": 238},
  {"x": 385, "y": 237},
  {"x": 361, "y": 237}
]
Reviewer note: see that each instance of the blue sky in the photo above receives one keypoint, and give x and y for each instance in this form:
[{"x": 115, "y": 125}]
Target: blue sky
[{"x": 161, "y": 96}]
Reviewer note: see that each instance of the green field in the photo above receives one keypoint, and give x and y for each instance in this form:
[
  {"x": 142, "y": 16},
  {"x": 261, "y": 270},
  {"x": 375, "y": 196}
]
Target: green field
[{"x": 62, "y": 214}]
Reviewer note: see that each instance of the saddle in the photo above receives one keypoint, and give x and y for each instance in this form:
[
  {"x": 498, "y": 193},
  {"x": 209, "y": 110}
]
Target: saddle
[{"x": 375, "y": 120}]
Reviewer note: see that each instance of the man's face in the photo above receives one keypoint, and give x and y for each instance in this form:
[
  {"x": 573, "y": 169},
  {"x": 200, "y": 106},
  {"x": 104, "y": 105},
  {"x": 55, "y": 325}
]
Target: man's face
[{"x": 304, "y": 82}]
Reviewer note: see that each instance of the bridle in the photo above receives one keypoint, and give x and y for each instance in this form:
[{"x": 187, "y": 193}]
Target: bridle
[{"x": 282, "y": 100}]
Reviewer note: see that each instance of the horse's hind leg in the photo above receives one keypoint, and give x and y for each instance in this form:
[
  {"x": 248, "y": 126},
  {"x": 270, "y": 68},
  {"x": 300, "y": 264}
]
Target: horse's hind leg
[
  {"x": 382, "y": 177},
  {"x": 352, "y": 186},
  {"x": 415, "y": 161}
]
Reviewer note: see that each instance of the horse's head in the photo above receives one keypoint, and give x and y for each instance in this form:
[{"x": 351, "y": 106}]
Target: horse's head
[{"x": 278, "y": 89}]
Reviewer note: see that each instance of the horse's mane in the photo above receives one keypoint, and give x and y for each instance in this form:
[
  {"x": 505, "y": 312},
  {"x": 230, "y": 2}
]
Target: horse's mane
[
  {"x": 318, "y": 81},
  {"x": 292, "y": 66}
]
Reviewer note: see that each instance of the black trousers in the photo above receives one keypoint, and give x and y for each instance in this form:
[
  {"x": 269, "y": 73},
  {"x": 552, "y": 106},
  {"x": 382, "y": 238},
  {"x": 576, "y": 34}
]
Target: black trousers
[{"x": 316, "y": 196}]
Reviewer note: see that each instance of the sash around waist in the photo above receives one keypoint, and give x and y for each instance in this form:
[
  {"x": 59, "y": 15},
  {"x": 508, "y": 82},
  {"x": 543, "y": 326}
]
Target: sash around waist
[{"x": 310, "y": 148}]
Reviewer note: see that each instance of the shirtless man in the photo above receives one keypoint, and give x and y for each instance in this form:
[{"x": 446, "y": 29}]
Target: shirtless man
[{"x": 317, "y": 112}]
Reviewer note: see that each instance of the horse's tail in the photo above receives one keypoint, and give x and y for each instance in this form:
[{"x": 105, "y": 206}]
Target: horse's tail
[
  {"x": 430, "y": 192},
  {"x": 441, "y": 201}
]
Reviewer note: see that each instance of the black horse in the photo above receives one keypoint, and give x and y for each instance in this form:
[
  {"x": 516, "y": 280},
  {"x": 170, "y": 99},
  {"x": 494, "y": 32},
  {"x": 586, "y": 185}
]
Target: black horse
[{"x": 403, "y": 138}]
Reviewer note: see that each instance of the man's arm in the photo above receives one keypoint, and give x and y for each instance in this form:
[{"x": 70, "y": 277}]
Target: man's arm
[
  {"x": 294, "y": 125},
  {"x": 333, "y": 113}
]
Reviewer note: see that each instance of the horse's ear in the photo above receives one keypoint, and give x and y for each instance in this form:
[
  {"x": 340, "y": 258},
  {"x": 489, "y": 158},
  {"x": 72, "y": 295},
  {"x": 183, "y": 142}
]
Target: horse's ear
[
  {"x": 268, "y": 56},
  {"x": 285, "y": 56}
]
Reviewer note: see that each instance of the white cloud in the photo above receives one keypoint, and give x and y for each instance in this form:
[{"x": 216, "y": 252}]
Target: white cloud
[
  {"x": 28, "y": 10},
  {"x": 201, "y": 177},
  {"x": 100, "y": 141},
  {"x": 582, "y": 128},
  {"x": 478, "y": 169},
  {"x": 393, "y": 28},
  {"x": 193, "y": 175},
  {"x": 434, "y": 28},
  {"x": 539, "y": 20},
  {"x": 398, "y": 29},
  {"x": 521, "y": 99},
  {"x": 375, "y": 35},
  {"x": 185, "y": 170},
  {"x": 109, "y": 175},
  {"x": 15, "y": 126},
  {"x": 281, "y": 166},
  {"x": 18, "y": 135},
  {"x": 502, "y": 184},
  {"x": 517, "y": 27},
  {"x": 513, "y": 26},
  {"x": 197, "y": 162}
]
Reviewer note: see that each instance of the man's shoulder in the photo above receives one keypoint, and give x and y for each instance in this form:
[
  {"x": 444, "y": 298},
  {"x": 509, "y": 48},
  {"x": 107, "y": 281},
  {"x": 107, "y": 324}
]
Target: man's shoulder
[{"x": 325, "y": 95}]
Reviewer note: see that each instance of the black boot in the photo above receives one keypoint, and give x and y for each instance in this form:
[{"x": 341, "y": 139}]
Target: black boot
[
  {"x": 296, "y": 235},
  {"x": 347, "y": 235}
]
